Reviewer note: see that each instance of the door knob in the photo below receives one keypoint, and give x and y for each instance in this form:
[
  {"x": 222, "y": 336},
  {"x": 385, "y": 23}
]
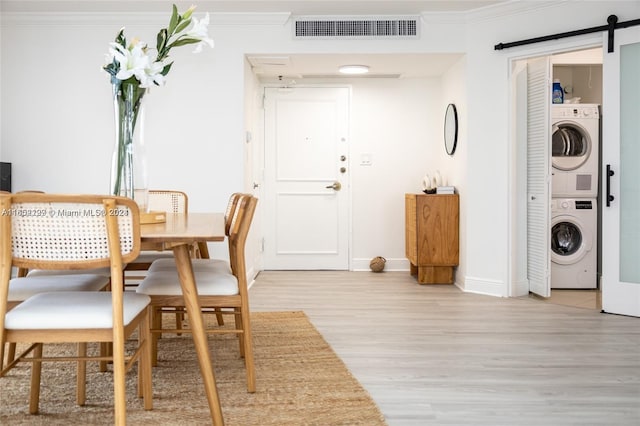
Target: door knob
[{"x": 336, "y": 186}]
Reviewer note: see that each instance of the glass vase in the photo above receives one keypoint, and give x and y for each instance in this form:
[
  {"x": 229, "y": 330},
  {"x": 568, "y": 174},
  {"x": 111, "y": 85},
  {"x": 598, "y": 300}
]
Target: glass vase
[{"x": 129, "y": 163}]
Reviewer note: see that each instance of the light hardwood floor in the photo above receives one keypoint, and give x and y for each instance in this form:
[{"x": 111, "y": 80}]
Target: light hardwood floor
[
  {"x": 433, "y": 355},
  {"x": 587, "y": 299}
]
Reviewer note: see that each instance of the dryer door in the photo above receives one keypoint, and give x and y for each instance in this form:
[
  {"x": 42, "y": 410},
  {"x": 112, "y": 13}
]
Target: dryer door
[{"x": 570, "y": 145}]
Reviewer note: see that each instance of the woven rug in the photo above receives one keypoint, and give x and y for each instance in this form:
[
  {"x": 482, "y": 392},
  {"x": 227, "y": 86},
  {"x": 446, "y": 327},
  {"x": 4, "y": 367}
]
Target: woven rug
[{"x": 300, "y": 381}]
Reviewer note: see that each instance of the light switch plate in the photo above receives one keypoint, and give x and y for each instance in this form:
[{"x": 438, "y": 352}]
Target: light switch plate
[{"x": 365, "y": 160}]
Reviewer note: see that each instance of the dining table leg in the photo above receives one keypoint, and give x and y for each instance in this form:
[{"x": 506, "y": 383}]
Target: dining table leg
[
  {"x": 203, "y": 248},
  {"x": 190, "y": 294}
]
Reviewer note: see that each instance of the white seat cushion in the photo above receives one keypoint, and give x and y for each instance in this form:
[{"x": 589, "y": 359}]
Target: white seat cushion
[
  {"x": 106, "y": 271},
  {"x": 72, "y": 310},
  {"x": 208, "y": 283},
  {"x": 22, "y": 288},
  {"x": 215, "y": 265}
]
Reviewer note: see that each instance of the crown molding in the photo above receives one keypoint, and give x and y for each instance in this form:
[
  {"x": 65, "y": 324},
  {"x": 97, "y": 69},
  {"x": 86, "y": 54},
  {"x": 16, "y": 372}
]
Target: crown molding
[
  {"x": 511, "y": 8},
  {"x": 136, "y": 18}
]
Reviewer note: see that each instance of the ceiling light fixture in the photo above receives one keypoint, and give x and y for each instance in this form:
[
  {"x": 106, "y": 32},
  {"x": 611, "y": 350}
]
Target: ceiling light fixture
[{"x": 354, "y": 69}]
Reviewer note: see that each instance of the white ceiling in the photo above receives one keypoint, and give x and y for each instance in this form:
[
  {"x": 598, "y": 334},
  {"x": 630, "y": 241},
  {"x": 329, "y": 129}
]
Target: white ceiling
[
  {"x": 298, "y": 66},
  {"x": 323, "y": 66}
]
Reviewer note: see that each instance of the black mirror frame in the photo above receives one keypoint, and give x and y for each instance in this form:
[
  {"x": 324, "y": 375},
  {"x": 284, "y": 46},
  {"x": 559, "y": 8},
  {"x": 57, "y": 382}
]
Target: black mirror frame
[{"x": 450, "y": 129}]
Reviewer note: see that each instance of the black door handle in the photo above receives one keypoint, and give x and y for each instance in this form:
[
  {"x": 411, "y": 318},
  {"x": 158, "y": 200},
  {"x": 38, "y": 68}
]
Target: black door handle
[{"x": 610, "y": 197}]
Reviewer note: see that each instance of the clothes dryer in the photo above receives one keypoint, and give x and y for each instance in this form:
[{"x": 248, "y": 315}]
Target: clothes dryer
[
  {"x": 575, "y": 142},
  {"x": 574, "y": 243}
]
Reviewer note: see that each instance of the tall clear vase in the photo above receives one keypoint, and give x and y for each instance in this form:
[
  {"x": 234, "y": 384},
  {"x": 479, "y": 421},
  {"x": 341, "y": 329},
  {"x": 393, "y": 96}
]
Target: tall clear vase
[{"x": 129, "y": 163}]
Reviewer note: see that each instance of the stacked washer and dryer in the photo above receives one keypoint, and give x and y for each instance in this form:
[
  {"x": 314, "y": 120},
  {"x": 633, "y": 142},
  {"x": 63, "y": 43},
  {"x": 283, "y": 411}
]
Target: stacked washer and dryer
[{"x": 574, "y": 187}]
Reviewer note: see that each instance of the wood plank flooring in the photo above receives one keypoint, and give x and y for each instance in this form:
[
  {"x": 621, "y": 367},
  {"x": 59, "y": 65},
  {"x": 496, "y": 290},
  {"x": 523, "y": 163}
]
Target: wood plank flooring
[
  {"x": 588, "y": 299},
  {"x": 433, "y": 355}
]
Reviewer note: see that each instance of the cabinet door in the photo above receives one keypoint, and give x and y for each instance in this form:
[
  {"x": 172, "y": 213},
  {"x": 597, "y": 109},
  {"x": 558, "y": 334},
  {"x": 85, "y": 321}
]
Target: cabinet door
[{"x": 438, "y": 235}]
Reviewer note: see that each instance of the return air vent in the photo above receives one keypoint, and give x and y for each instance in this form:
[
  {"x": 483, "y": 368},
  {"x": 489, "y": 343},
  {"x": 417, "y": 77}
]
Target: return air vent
[{"x": 355, "y": 27}]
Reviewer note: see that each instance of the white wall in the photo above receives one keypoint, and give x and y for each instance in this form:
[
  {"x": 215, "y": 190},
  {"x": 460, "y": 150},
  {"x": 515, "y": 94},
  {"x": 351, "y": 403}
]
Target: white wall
[
  {"x": 454, "y": 168},
  {"x": 398, "y": 124},
  {"x": 50, "y": 77}
]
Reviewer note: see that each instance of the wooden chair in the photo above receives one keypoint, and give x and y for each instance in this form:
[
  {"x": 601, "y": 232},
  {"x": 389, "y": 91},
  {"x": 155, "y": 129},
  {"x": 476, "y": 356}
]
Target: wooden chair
[
  {"x": 168, "y": 201},
  {"x": 221, "y": 285},
  {"x": 169, "y": 264},
  {"x": 206, "y": 263},
  {"x": 75, "y": 238},
  {"x": 22, "y": 288}
]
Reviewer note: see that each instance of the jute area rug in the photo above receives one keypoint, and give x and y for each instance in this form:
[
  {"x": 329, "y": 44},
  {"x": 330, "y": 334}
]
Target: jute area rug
[{"x": 300, "y": 381}]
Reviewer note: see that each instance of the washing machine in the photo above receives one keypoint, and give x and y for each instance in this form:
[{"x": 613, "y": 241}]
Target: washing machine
[
  {"x": 574, "y": 245},
  {"x": 575, "y": 141}
]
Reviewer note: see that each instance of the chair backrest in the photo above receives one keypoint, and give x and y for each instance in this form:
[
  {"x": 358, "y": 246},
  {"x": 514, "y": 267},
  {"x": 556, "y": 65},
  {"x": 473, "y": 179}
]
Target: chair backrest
[
  {"x": 240, "y": 226},
  {"x": 230, "y": 213},
  {"x": 168, "y": 201},
  {"x": 48, "y": 231}
]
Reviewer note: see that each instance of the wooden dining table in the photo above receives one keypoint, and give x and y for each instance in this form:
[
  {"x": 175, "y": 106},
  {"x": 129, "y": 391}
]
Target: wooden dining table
[{"x": 179, "y": 233}]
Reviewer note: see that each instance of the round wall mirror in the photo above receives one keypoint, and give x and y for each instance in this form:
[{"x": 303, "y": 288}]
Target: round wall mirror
[{"x": 450, "y": 129}]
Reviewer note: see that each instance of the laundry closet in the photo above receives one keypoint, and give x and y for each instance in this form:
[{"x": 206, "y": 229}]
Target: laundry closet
[{"x": 576, "y": 189}]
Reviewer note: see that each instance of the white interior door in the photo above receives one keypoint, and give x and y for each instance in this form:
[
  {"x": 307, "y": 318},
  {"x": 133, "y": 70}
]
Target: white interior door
[
  {"x": 538, "y": 176},
  {"x": 621, "y": 155},
  {"x": 306, "y": 178}
]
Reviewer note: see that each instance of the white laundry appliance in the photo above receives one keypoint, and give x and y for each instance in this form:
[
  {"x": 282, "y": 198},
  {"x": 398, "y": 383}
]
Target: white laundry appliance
[
  {"x": 574, "y": 243},
  {"x": 575, "y": 142}
]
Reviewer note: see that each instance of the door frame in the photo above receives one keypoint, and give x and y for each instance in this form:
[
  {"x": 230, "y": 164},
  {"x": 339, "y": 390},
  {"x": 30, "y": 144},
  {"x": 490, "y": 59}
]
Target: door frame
[
  {"x": 516, "y": 274},
  {"x": 261, "y": 160}
]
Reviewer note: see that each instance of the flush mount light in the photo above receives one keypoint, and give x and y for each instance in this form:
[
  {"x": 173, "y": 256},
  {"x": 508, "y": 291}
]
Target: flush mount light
[{"x": 353, "y": 69}]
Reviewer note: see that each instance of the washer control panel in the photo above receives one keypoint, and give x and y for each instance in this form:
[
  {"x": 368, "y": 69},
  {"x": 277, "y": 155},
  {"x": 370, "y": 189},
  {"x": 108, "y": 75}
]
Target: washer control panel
[
  {"x": 569, "y": 111},
  {"x": 568, "y": 204}
]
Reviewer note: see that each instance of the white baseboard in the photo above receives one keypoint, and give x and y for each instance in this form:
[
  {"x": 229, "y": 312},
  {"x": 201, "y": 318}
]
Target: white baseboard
[
  {"x": 484, "y": 286},
  {"x": 519, "y": 288}
]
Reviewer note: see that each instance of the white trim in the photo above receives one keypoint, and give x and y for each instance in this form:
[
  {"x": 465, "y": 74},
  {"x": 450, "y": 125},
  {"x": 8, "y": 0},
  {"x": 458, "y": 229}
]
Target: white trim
[
  {"x": 511, "y": 8},
  {"x": 274, "y": 18},
  {"x": 84, "y": 18},
  {"x": 487, "y": 13},
  {"x": 484, "y": 286},
  {"x": 137, "y": 18},
  {"x": 546, "y": 49},
  {"x": 519, "y": 288},
  {"x": 587, "y": 41}
]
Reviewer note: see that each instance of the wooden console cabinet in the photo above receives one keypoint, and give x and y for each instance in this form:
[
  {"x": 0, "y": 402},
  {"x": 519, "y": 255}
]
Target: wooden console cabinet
[{"x": 432, "y": 236}]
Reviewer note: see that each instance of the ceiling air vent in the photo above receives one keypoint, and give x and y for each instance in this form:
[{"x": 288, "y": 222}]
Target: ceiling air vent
[{"x": 355, "y": 27}]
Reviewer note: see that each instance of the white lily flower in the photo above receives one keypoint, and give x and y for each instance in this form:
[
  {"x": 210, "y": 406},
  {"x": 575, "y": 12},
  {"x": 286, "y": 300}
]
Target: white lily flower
[
  {"x": 152, "y": 76},
  {"x": 133, "y": 61},
  {"x": 198, "y": 31}
]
